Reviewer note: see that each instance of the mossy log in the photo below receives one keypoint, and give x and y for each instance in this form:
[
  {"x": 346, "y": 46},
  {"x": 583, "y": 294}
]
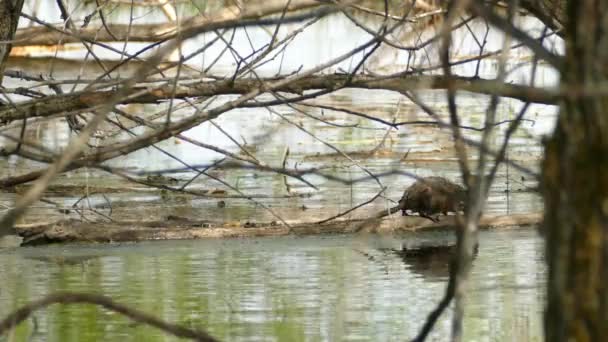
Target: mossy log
[{"x": 76, "y": 231}]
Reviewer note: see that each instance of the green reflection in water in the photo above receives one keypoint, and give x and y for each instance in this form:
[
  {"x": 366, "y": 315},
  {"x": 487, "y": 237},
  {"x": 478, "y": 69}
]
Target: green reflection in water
[{"x": 283, "y": 289}]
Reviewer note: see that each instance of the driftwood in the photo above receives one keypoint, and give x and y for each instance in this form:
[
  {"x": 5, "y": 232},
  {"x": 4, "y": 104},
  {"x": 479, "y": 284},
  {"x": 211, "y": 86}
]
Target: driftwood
[{"x": 179, "y": 228}]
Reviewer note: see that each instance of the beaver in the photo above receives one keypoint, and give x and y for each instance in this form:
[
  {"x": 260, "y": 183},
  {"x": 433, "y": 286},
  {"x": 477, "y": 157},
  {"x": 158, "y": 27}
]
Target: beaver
[
  {"x": 433, "y": 195},
  {"x": 427, "y": 196}
]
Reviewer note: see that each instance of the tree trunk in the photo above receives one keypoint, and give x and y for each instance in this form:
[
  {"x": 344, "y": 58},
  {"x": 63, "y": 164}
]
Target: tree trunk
[
  {"x": 550, "y": 12},
  {"x": 9, "y": 18},
  {"x": 575, "y": 189}
]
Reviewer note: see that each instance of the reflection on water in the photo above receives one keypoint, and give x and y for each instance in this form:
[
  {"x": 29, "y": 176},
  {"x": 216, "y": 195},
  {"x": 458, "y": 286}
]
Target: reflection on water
[
  {"x": 285, "y": 289},
  {"x": 288, "y": 289},
  {"x": 427, "y": 261},
  {"x": 429, "y": 152}
]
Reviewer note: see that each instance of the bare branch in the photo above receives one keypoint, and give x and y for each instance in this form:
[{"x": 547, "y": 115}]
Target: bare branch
[{"x": 24, "y": 312}]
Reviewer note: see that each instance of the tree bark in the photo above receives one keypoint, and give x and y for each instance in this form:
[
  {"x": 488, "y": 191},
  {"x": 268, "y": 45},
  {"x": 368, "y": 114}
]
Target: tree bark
[
  {"x": 575, "y": 189},
  {"x": 550, "y": 12},
  {"x": 9, "y": 18}
]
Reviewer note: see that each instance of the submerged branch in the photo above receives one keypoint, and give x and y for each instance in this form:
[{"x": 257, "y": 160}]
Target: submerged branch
[{"x": 24, "y": 312}]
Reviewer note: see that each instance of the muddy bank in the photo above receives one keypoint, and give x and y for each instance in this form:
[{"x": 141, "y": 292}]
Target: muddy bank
[{"x": 179, "y": 228}]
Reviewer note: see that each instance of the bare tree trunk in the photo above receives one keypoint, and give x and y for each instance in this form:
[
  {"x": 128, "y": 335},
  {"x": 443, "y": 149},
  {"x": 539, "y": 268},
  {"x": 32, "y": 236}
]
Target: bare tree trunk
[
  {"x": 575, "y": 175},
  {"x": 9, "y": 18}
]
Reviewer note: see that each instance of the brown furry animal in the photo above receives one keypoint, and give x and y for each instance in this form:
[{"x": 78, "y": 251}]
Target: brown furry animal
[{"x": 433, "y": 195}]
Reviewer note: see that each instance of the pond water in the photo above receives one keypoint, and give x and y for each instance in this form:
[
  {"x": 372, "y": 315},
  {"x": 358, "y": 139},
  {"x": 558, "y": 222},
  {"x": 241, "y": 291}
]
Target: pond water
[
  {"x": 311, "y": 134},
  {"x": 285, "y": 289},
  {"x": 331, "y": 288}
]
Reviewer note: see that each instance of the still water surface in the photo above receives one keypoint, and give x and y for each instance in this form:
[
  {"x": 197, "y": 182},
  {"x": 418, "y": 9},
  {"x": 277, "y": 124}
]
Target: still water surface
[
  {"x": 331, "y": 288},
  {"x": 288, "y": 289},
  {"x": 305, "y": 132}
]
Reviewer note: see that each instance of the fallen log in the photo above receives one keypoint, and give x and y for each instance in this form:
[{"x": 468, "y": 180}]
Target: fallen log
[{"x": 179, "y": 229}]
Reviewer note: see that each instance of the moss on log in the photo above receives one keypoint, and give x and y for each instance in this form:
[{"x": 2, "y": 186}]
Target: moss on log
[{"x": 76, "y": 231}]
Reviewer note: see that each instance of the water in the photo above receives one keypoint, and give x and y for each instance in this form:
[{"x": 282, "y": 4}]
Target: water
[
  {"x": 279, "y": 289},
  {"x": 284, "y": 289},
  {"x": 371, "y": 145}
]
